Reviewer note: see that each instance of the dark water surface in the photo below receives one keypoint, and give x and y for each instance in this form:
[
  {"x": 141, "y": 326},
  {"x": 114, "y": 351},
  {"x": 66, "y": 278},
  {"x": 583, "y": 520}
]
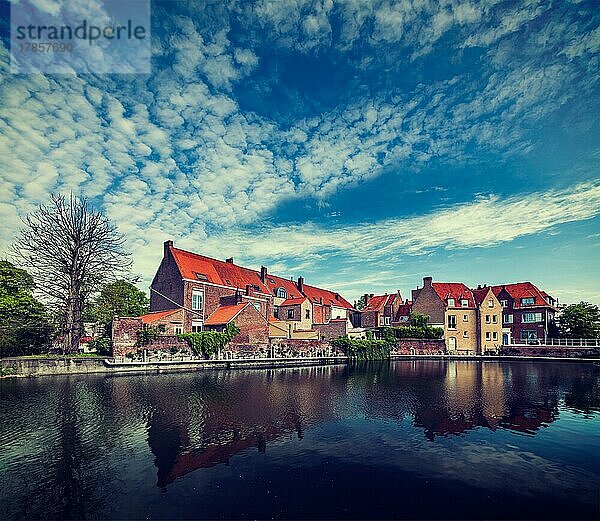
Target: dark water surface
[{"x": 423, "y": 439}]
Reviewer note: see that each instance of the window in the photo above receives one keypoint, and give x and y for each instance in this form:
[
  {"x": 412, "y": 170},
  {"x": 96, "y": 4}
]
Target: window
[
  {"x": 488, "y": 319},
  {"x": 465, "y": 318},
  {"x": 196, "y": 326},
  {"x": 386, "y": 321},
  {"x": 464, "y": 303},
  {"x": 504, "y": 303},
  {"x": 494, "y": 319},
  {"x": 465, "y": 334},
  {"x": 162, "y": 328},
  {"x": 276, "y": 312},
  {"x": 451, "y": 302},
  {"x": 178, "y": 329},
  {"x": 528, "y": 301},
  {"x": 495, "y": 335},
  {"x": 307, "y": 315},
  {"x": 257, "y": 306},
  {"x": 281, "y": 293},
  {"x": 451, "y": 321},
  {"x": 290, "y": 313},
  {"x": 200, "y": 276},
  {"x": 528, "y": 334},
  {"x": 491, "y": 303},
  {"x": 508, "y": 319},
  {"x": 531, "y": 317},
  {"x": 488, "y": 336},
  {"x": 197, "y": 299}
]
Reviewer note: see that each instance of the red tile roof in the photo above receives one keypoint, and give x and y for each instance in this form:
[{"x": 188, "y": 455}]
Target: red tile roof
[
  {"x": 455, "y": 290},
  {"x": 404, "y": 310},
  {"x": 480, "y": 294},
  {"x": 157, "y": 315},
  {"x": 521, "y": 290},
  {"x": 225, "y": 314},
  {"x": 293, "y": 301},
  {"x": 378, "y": 302},
  {"x": 330, "y": 298},
  {"x": 199, "y": 267}
]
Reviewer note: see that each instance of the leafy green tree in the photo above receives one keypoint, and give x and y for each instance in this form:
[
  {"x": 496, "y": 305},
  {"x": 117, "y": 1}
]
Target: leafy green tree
[
  {"x": 24, "y": 325},
  {"x": 580, "y": 321},
  {"x": 362, "y": 303},
  {"x": 419, "y": 320},
  {"x": 120, "y": 298}
]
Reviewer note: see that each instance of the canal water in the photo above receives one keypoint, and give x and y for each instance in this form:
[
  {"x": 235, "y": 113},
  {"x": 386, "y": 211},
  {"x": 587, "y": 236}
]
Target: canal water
[{"x": 400, "y": 439}]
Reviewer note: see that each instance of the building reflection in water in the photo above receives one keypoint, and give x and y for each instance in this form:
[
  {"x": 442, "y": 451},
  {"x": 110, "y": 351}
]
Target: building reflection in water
[{"x": 203, "y": 422}]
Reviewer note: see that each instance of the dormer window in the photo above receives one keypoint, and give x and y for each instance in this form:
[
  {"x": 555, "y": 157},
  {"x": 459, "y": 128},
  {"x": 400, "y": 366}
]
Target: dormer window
[
  {"x": 464, "y": 303},
  {"x": 281, "y": 293},
  {"x": 451, "y": 302},
  {"x": 200, "y": 276},
  {"x": 528, "y": 301}
]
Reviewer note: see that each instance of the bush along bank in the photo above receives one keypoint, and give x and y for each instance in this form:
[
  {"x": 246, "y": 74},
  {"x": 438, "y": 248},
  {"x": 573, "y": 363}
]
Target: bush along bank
[
  {"x": 372, "y": 348},
  {"x": 207, "y": 343}
]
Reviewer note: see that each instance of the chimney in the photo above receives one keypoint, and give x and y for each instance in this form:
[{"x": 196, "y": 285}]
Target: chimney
[
  {"x": 478, "y": 286},
  {"x": 427, "y": 281},
  {"x": 263, "y": 274},
  {"x": 249, "y": 290},
  {"x": 229, "y": 260},
  {"x": 337, "y": 296},
  {"x": 367, "y": 297},
  {"x": 238, "y": 297},
  {"x": 167, "y": 246},
  {"x": 300, "y": 284}
]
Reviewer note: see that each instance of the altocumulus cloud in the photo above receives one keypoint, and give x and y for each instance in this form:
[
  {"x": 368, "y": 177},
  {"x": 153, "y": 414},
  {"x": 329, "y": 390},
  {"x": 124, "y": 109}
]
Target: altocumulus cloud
[{"x": 180, "y": 153}]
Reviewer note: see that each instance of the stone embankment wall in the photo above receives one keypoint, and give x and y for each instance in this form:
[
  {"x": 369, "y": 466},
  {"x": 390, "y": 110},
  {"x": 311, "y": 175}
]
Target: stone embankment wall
[
  {"x": 552, "y": 351},
  {"x": 54, "y": 365},
  {"x": 295, "y": 348},
  {"x": 419, "y": 346}
]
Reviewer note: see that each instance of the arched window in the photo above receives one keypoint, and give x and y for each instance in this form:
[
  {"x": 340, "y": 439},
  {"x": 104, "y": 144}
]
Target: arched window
[{"x": 281, "y": 293}]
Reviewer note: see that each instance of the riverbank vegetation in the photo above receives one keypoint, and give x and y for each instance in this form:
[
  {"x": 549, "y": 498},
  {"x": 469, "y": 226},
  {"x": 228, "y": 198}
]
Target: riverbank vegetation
[
  {"x": 207, "y": 343},
  {"x": 378, "y": 346}
]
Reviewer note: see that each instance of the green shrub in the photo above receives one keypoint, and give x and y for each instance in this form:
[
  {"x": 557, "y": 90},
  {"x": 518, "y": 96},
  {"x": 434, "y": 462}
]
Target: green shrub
[
  {"x": 102, "y": 345},
  {"x": 363, "y": 349},
  {"x": 146, "y": 336},
  {"x": 207, "y": 343}
]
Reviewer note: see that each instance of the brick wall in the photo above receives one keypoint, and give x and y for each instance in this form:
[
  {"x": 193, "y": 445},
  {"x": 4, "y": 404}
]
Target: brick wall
[
  {"x": 429, "y": 303},
  {"x": 334, "y": 329},
  {"x": 124, "y": 334},
  {"x": 168, "y": 282},
  {"x": 292, "y": 348},
  {"x": 419, "y": 346}
]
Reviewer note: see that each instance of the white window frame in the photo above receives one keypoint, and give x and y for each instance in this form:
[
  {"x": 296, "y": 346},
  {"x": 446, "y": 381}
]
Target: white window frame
[
  {"x": 488, "y": 319},
  {"x": 198, "y": 325},
  {"x": 281, "y": 292},
  {"x": 504, "y": 303},
  {"x": 196, "y": 292},
  {"x": 464, "y": 303},
  {"x": 465, "y": 318},
  {"x": 529, "y": 318},
  {"x": 451, "y": 303},
  {"x": 527, "y": 301},
  {"x": 488, "y": 336},
  {"x": 490, "y": 303},
  {"x": 508, "y": 319},
  {"x": 494, "y": 319},
  {"x": 495, "y": 335}
]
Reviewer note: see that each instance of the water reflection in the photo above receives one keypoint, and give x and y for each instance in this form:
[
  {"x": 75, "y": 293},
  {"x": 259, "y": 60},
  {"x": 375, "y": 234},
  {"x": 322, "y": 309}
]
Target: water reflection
[{"x": 81, "y": 447}]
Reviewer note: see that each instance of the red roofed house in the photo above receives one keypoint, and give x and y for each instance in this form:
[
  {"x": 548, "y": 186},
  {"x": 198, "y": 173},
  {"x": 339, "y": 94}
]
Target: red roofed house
[
  {"x": 528, "y": 313},
  {"x": 471, "y": 319},
  {"x": 212, "y": 293},
  {"x": 380, "y": 310}
]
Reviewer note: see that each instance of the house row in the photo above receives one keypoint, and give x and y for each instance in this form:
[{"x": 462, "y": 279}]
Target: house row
[
  {"x": 475, "y": 321},
  {"x": 192, "y": 292}
]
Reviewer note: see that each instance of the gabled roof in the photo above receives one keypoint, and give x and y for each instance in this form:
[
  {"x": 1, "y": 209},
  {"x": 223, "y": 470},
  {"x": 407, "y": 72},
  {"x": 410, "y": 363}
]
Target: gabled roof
[
  {"x": 521, "y": 290},
  {"x": 404, "y": 310},
  {"x": 225, "y": 314},
  {"x": 378, "y": 302},
  {"x": 149, "y": 318},
  {"x": 293, "y": 301},
  {"x": 455, "y": 290},
  {"x": 480, "y": 294},
  {"x": 199, "y": 267},
  {"x": 330, "y": 298}
]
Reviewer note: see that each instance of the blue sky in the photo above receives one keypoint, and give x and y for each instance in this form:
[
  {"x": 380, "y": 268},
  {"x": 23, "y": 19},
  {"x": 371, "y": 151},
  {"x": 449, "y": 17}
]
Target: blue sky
[{"x": 360, "y": 144}]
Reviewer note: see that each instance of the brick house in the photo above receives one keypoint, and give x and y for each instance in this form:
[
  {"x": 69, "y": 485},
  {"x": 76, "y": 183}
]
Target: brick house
[
  {"x": 528, "y": 314},
  {"x": 208, "y": 291},
  {"x": 470, "y": 318},
  {"x": 380, "y": 310}
]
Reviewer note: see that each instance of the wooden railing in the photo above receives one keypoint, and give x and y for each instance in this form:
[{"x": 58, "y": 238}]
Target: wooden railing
[{"x": 557, "y": 342}]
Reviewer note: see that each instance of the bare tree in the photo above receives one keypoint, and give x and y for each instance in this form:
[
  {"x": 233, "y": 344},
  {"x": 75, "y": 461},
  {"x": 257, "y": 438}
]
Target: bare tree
[{"x": 70, "y": 250}]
